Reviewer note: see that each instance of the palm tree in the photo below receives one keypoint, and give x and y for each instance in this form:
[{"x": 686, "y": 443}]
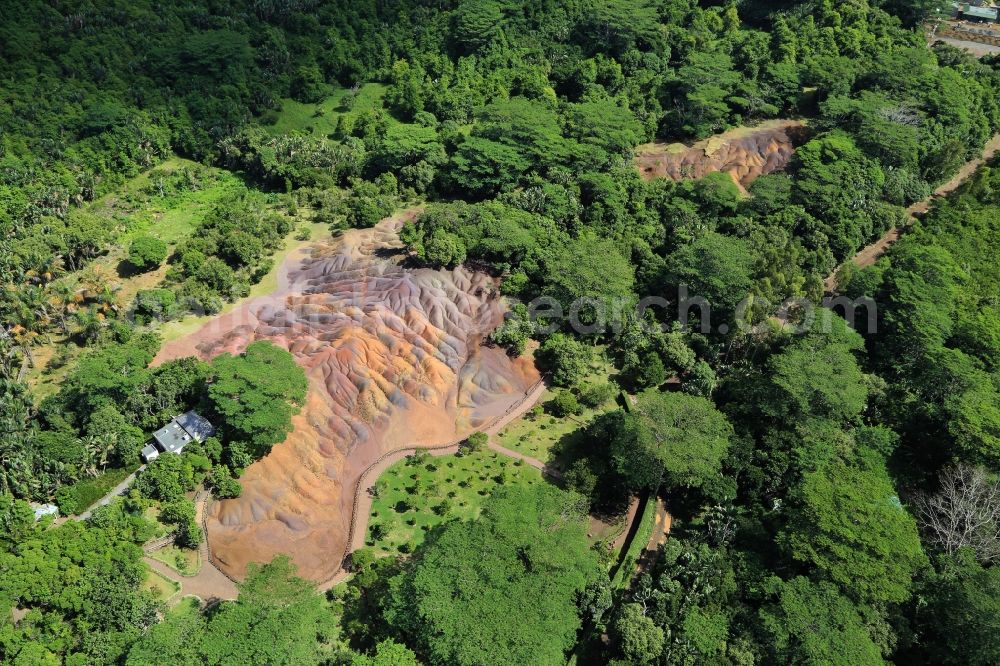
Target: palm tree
[
  {"x": 46, "y": 269},
  {"x": 98, "y": 286},
  {"x": 90, "y": 323},
  {"x": 15, "y": 454},
  {"x": 64, "y": 297},
  {"x": 10, "y": 354},
  {"x": 98, "y": 449},
  {"x": 29, "y": 308},
  {"x": 107, "y": 298}
]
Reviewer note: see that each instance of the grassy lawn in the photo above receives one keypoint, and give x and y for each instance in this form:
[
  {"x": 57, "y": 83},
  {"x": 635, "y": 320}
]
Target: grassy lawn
[
  {"x": 320, "y": 119},
  {"x": 152, "y": 514},
  {"x": 88, "y": 491},
  {"x": 421, "y": 492},
  {"x": 543, "y": 436},
  {"x": 183, "y": 561},
  {"x": 172, "y": 218},
  {"x": 162, "y": 587},
  {"x": 149, "y": 205},
  {"x": 188, "y": 606}
]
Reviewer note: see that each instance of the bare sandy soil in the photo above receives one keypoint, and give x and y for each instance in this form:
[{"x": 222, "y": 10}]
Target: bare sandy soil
[
  {"x": 745, "y": 153},
  {"x": 395, "y": 359}
]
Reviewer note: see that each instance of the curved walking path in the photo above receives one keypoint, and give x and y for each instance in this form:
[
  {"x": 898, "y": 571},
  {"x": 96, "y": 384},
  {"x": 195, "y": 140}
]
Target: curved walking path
[
  {"x": 633, "y": 510},
  {"x": 533, "y": 462},
  {"x": 363, "y": 502},
  {"x": 363, "y": 499},
  {"x": 869, "y": 254},
  {"x": 209, "y": 584}
]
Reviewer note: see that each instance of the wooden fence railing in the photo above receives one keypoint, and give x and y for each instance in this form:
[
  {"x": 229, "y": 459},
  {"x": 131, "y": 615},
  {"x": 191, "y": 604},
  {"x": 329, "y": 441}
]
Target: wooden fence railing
[{"x": 361, "y": 486}]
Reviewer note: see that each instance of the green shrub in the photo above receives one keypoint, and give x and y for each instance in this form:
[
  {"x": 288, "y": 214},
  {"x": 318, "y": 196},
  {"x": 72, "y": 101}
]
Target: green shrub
[
  {"x": 477, "y": 441},
  {"x": 147, "y": 253},
  {"x": 595, "y": 395},
  {"x": 564, "y": 404}
]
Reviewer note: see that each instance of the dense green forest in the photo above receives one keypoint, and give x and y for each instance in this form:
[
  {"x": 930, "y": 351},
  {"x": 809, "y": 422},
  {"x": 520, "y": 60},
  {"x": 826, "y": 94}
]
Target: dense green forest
[{"x": 834, "y": 492}]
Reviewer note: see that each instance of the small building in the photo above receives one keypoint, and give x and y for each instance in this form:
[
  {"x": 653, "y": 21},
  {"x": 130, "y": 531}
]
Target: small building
[
  {"x": 181, "y": 431},
  {"x": 971, "y": 12},
  {"x": 42, "y": 510}
]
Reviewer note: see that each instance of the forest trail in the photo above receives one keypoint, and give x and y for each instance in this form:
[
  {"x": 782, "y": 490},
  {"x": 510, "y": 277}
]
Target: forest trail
[
  {"x": 661, "y": 531},
  {"x": 869, "y": 254},
  {"x": 633, "y": 511},
  {"x": 113, "y": 493}
]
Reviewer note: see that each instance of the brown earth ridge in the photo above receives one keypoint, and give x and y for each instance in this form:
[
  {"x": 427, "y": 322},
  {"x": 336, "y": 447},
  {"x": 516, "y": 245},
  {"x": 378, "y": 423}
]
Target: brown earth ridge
[
  {"x": 745, "y": 153},
  {"x": 395, "y": 359}
]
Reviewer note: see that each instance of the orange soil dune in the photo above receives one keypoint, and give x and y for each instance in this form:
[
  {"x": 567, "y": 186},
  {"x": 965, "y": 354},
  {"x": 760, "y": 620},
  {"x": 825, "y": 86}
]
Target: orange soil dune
[
  {"x": 745, "y": 153},
  {"x": 394, "y": 358}
]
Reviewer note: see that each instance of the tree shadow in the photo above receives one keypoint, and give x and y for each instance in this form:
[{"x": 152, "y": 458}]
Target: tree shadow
[{"x": 126, "y": 269}]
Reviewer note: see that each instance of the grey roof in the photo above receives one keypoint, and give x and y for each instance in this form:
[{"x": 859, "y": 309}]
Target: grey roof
[
  {"x": 186, "y": 428},
  {"x": 171, "y": 438},
  {"x": 980, "y": 12},
  {"x": 149, "y": 452},
  {"x": 45, "y": 510},
  {"x": 196, "y": 425}
]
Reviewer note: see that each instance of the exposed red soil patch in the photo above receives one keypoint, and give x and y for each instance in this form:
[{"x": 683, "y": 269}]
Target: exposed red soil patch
[
  {"x": 745, "y": 153},
  {"x": 395, "y": 360}
]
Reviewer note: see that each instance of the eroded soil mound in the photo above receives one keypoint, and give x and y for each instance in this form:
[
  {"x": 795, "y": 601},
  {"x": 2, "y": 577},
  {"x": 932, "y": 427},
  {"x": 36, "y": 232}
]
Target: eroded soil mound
[
  {"x": 394, "y": 359},
  {"x": 743, "y": 153}
]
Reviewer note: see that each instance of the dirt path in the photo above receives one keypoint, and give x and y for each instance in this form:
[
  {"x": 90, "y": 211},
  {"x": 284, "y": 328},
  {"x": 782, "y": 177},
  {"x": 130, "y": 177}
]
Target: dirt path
[
  {"x": 533, "y": 462},
  {"x": 363, "y": 499},
  {"x": 633, "y": 510},
  {"x": 661, "y": 530},
  {"x": 209, "y": 584},
  {"x": 869, "y": 254},
  {"x": 113, "y": 493}
]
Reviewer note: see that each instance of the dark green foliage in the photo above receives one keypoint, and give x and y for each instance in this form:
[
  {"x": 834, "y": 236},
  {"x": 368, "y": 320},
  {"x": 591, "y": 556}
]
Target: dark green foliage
[
  {"x": 254, "y": 395},
  {"x": 154, "y": 305},
  {"x": 522, "y": 564},
  {"x": 224, "y": 486},
  {"x": 477, "y": 441},
  {"x": 514, "y": 331},
  {"x": 672, "y": 438},
  {"x": 278, "y": 618},
  {"x": 789, "y": 543},
  {"x": 715, "y": 268},
  {"x": 227, "y": 252},
  {"x": 93, "y": 594},
  {"x": 564, "y": 404},
  {"x": 168, "y": 477},
  {"x": 811, "y": 623},
  {"x": 849, "y": 525},
  {"x": 147, "y": 253},
  {"x": 565, "y": 358},
  {"x": 589, "y": 278},
  {"x": 962, "y": 615},
  {"x": 840, "y": 185}
]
